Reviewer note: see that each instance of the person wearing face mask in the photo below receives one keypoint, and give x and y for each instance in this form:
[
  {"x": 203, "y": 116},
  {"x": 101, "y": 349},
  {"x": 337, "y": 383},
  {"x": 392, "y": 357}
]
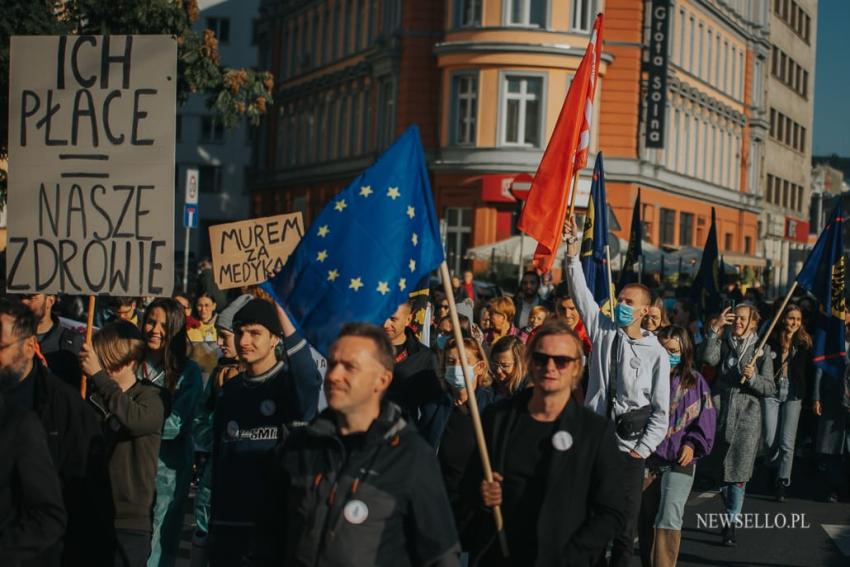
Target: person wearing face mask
[
  {"x": 670, "y": 469},
  {"x": 791, "y": 351},
  {"x": 447, "y": 425},
  {"x": 629, "y": 382},
  {"x": 742, "y": 378}
]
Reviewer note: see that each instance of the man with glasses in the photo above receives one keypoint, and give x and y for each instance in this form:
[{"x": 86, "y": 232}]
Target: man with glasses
[
  {"x": 71, "y": 428},
  {"x": 558, "y": 480},
  {"x": 629, "y": 383}
]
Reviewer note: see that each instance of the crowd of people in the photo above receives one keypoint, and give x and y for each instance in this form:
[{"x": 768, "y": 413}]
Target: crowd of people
[{"x": 597, "y": 426}]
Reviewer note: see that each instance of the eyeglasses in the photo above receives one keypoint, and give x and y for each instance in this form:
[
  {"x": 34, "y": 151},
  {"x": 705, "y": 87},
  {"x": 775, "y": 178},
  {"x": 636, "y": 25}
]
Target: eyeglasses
[
  {"x": 541, "y": 359},
  {"x": 502, "y": 366}
]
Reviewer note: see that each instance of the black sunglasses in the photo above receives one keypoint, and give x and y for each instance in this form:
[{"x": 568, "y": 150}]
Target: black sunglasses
[{"x": 541, "y": 359}]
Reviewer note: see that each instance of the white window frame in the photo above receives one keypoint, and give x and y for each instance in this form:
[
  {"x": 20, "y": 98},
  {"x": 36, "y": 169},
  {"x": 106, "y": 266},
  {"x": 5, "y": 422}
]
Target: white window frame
[
  {"x": 581, "y": 15},
  {"x": 468, "y": 13},
  {"x": 507, "y": 11},
  {"x": 455, "y": 257},
  {"x": 455, "y": 119},
  {"x": 504, "y": 96}
]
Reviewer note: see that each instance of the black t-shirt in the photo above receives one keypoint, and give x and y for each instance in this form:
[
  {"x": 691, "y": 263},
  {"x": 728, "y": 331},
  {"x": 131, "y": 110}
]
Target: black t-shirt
[
  {"x": 457, "y": 447},
  {"x": 525, "y": 475}
]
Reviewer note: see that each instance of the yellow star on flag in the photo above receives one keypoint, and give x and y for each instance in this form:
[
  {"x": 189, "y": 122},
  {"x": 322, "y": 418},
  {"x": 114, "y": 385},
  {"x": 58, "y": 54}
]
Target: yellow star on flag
[
  {"x": 324, "y": 230},
  {"x": 412, "y": 265},
  {"x": 365, "y": 191},
  {"x": 355, "y": 284},
  {"x": 340, "y": 205},
  {"x": 333, "y": 275},
  {"x": 322, "y": 256},
  {"x": 402, "y": 283},
  {"x": 383, "y": 288},
  {"x": 414, "y": 239},
  {"x": 411, "y": 212},
  {"x": 393, "y": 193}
]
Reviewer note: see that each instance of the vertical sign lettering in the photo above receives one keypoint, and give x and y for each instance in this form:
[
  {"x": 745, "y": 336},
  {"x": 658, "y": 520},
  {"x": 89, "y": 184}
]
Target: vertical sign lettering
[
  {"x": 91, "y": 165},
  {"x": 656, "y": 94}
]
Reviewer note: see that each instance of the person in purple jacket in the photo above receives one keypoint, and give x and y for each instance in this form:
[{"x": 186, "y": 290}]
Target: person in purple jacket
[{"x": 670, "y": 469}]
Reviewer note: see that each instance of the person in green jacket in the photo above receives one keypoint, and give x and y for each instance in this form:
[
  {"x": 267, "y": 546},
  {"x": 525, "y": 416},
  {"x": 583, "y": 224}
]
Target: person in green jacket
[{"x": 167, "y": 365}]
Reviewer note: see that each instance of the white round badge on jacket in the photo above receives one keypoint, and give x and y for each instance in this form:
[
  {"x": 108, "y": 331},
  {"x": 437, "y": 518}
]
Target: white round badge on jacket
[
  {"x": 562, "y": 440},
  {"x": 356, "y": 512}
]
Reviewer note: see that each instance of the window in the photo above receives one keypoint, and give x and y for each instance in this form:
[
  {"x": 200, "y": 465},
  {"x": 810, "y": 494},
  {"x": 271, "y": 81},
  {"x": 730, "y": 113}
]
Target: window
[
  {"x": 582, "y": 16},
  {"x": 468, "y": 13},
  {"x": 303, "y": 56},
  {"x": 353, "y": 128},
  {"x": 212, "y": 130},
  {"x": 391, "y": 16},
  {"x": 332, "y": 106},
  {"x": 314, "y": 40},
  {"x": 802, "y": 146},
  {"x": 209, "y": 179},
  {"x": 326, "y": 32},
  {"x": 321, "y": 150},
  {"x": 464, "y": 109},
  {"x": 341, "y": 125},
  {"x": 458, "y": 235},
  {"x": 785, "y": 190},
  {"x": 668, "y": 225},
  {"x": 727, "y": 241},
  {"x": 682, "y": 39},
  {"x": 521, "y": 113},
  {"x": 800, "y": 198},
  {"x": 691, "y": 46},
  {"x": 686, "y": 229},
  {"x": 335, "y": 44},
  {"x": 699, "y": 51},
  {"x": 708, "y": 53},
  {"x": 346, "y": 24},
  {"x": 527, "y": 13},
  {"x": 768, "y": 192},
  {"x": 386, "y": 111},
  {"x": 748, "y": 245},
  {"x": 366, "y": 141},
  {"x": 370, "y": 31},
  {"x": 221, "y": 28}
]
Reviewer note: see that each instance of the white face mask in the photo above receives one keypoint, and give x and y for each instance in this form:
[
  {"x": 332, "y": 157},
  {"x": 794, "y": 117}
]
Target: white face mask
[{"x": 454, "y": 376}]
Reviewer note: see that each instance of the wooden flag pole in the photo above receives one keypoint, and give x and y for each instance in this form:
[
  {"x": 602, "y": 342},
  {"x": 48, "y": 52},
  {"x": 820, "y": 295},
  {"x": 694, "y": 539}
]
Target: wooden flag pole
[
  {"x": 759, "y": 349},
  {"x": 89, "y": 329},
  {"x": 573, "y": 194},
  {"x": 473, "y": 403}
]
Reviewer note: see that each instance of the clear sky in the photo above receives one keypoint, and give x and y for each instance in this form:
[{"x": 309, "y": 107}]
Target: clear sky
[{"x": 832, "y": 79}]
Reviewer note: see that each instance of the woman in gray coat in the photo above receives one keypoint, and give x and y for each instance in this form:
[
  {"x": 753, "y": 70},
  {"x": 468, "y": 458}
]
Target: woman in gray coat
[{"x": 742, "y": 378}]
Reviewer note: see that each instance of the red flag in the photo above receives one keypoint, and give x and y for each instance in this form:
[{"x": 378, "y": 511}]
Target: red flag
[{"x": 546, "y": 208}]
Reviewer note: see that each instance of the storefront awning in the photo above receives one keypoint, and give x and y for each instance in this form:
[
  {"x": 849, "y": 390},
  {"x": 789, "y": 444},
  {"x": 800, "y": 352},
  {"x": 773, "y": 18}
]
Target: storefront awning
[{"x": 738, "y": 259}]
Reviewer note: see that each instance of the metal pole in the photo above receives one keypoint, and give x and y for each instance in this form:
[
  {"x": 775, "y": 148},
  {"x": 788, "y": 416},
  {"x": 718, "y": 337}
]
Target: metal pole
[
  {"x": 519, "y": 269},
  {"x": 186, "y": 262}
]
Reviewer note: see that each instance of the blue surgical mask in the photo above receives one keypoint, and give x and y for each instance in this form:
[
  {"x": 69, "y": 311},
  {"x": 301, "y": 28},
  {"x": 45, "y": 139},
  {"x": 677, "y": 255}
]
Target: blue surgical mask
[
  {"x": 441, "y": 341},
  {"x": 623, "y": 315},
  {"x": 675, "y": 359},
  {"x": 454, "y": 377}
]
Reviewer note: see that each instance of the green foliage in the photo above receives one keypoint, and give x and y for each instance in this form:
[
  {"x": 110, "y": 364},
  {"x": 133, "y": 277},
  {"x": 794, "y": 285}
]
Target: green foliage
[{"x": 232, "y": 93}]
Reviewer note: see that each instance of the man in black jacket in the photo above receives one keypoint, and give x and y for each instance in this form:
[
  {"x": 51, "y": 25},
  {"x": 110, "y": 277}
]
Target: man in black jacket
[
  {"x": 59, "y": 345},
  {"x": 71, "y": 429},
  {"x": 415, "y": 380},
  {"x": 358, "y": 486},
  {"x": 558, "y": 479}
]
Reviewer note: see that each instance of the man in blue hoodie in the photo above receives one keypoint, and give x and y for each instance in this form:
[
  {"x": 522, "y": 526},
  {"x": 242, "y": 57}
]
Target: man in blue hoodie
[
  {"x": 254, "y": 414},
  {"x": 629, "y": 382}
]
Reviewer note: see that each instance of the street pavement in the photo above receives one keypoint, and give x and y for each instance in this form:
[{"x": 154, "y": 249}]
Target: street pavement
[{"x": 822, "y": 539}]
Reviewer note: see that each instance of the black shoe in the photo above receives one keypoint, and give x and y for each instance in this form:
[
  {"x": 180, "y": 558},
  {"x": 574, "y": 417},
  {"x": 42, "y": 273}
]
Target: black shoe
[
  {"x": 780, "y": 491},
  {"x": 729, "y": 537}
]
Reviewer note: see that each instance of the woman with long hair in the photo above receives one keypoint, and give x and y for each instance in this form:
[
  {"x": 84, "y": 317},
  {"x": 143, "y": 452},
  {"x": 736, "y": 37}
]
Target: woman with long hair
[
  {"x": 502, "y": 312},
  {"x": 167, "y": 365},
  {"x": 791, "y": 350},
  {"x": 507, "y": 359},
  {"x": 656, "y": 319},
  {"x": 446, "y": 422},
  {"x": 671, "y": 468},
  {"x": 743, "y": 377}
]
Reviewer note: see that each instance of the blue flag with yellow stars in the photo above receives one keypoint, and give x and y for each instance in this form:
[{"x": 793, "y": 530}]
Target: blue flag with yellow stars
[
  {"x": 595, "y": 237},
  {"x": 823, "y": 275},
  {"x": 367, "y": 249}
]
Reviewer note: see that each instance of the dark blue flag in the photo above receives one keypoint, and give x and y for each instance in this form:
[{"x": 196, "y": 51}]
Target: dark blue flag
[
  {"x": 705, "y": 290},
  {"x": 595, "y": 237},
  {"x": 823, "y": 275},
  {"x": 635, "y": 249},
  {"x": 367, "y": 249}
]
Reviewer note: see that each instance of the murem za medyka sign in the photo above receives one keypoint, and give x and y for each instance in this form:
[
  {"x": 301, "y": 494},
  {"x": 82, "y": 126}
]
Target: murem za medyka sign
[
  {"x": 91, "y": 165},
  {"x": 656, "y": 96}
]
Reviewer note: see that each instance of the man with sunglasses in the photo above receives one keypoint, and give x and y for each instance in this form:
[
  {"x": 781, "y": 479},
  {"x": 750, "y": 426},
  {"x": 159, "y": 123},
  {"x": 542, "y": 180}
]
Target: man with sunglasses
[
  {"x": 558, "y": 478},
  {"x": 629, "y": 382}
]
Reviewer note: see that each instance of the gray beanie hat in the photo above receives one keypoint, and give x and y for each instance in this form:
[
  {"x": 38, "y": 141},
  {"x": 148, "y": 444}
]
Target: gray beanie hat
[{"x": 225, "y": 318}]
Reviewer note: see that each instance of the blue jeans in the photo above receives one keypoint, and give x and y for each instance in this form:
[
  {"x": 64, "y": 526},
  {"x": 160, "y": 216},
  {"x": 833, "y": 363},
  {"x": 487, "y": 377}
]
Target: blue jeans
[
  {"x": 733, "y": 498},
  {"x": 780, "y": 433}
]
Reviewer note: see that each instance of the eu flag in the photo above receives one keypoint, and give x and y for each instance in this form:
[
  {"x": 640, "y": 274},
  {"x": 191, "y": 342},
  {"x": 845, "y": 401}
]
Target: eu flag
[
  {"x": 635, "y": 249},
  {"x": 596, "y": 237},
  {"x": 367, "y": 249},
  {"x": 705, "y": 290},
  {"x": 823, "y": 275}
]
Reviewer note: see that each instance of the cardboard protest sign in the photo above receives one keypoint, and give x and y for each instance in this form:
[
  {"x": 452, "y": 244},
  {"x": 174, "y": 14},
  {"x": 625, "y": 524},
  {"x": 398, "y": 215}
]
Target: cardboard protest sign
[
  {"x": 91, "y": 165},
  {"x": 251, "y": 251}
]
